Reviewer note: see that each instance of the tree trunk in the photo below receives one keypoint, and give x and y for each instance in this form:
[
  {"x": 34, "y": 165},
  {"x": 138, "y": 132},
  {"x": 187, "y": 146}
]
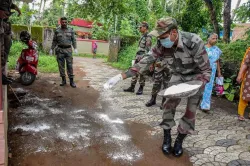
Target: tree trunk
[
  {"x": 227, "y": 20},
  {"x": 44, "y": 2},
  {"x": 213, "y": 17},
  {"x": 40, "y": 7},
  {"x": 237, "y": 5}
]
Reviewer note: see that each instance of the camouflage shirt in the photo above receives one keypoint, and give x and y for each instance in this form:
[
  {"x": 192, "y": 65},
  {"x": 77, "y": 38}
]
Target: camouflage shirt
[
  {"x": 144, "y": 44},
  {"x": 64, "y": 38},
  {"x": 188, "y": 58}
]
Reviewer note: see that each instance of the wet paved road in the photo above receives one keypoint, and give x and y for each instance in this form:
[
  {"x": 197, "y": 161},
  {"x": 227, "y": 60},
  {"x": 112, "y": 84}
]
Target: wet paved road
[
  {"x": 120, "y": 130},
  {"x": 220, "y": 139}
]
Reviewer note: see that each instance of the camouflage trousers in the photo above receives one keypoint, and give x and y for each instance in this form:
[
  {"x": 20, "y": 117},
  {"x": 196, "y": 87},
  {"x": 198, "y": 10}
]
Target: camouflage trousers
[
  {"x": 5, "y": 33},
  {"x": 187, "y": 122},
  {"x": 161, "y": 77},
  {"x": 141, "y": 79},
  {"x": 65, "y": 55}
]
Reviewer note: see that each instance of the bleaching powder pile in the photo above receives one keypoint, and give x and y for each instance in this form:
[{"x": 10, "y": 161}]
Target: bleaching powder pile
[{"x": 180, "y": 88}]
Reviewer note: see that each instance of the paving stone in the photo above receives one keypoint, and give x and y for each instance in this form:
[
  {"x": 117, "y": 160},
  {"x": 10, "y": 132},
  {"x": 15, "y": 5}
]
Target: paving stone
[
  {"x": 226, "y": 157},
  {"x": 203, "y": 158},
  {"x": 245, "y": 156},
  {"x": 214, "y": 150},
  {"x": 194, "y": 151},
  {"x": 217, "y": 128},
  {"x": 239, "y": 163},
  {"x": 226, "y": 142},
  {"x": 219, "y": 139},
  {"x": 216, "y": 137},
  {"x": 214, "y": 164},
  {"x": 237, "y": 148}
]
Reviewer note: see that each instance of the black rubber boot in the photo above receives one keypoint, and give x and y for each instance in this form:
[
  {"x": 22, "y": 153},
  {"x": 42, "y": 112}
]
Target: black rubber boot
[
  {"x": 5, "y": 80},
  {"x": 162, "y": 102},
  {"x": 152, "y": 101},
  {"x": 178, "y": 151},
  {"x": 130, "y": 89},
  {"x": 72, "y": 84},
  {"x": 63, "y": 81},
  {"x": 140, "y": 90},
  {"x": 166, "y": 146}
]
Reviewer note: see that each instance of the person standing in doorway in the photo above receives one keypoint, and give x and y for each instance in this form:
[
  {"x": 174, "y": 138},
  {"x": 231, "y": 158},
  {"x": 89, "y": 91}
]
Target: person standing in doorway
[
  {"x": 63, "y": 40},
  {"x": 143, "y": 48}
]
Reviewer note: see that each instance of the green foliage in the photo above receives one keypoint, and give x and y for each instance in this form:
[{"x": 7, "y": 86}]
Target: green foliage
[
  {"x": 46, "y": 63},
  {"x": 189, "y": 20},
  {"x": 99, "y": 33},
  {"x": 243, "y": 12},
  {"x": 25, "y": 17},
  {"x": 91, "y": 55},
  {"x": 126, "y": 55},
  {"x": 230, "y": 88},
  {"x": 126, "y": 28},
  {"x": 129, "y": 40}
]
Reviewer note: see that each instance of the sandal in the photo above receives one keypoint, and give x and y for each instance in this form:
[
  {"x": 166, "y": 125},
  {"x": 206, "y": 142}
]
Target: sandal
[{"x": 241, "y": 118}]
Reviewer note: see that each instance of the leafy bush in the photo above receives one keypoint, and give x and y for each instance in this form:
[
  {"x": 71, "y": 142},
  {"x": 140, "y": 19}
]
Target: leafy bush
[
  {"x": 126, "y": 55},
  {"x": 129, "y": 40}
]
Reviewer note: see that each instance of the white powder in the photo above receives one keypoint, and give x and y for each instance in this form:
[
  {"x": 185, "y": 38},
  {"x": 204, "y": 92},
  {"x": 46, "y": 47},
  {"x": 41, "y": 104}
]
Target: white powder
[
  {"x": 77, "y": 117},
  {"x": 121, "y": 137},
  {"x": 35, "y": 128},
  {"x": 78, "y": 111},
  {"x": 72, "y": 136},
  {"x": 126, "y": 156},
  {"x": 180, "y": 88},
  {"x": 106, "y": 118},
  {"x": 56, "y": 111}
]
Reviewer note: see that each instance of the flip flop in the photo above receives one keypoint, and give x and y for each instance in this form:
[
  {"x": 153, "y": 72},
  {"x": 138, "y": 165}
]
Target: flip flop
[{"x": 241, "y": 118}]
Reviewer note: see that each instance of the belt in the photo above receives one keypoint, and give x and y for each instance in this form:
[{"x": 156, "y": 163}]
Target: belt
[{"x": 62, "y": 46}]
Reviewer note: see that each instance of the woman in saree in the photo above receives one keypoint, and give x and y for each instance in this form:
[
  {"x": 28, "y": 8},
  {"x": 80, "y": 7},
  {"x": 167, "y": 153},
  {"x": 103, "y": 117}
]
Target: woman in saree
[
  {"x": 214, "y": 54},
  {"x": 244, "y": 79}
]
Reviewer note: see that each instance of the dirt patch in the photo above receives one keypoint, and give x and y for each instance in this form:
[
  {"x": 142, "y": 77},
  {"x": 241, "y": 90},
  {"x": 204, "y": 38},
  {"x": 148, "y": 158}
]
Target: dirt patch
[
  {"x": 151, "y": 146},
  {"x": 42, "y": 96}
]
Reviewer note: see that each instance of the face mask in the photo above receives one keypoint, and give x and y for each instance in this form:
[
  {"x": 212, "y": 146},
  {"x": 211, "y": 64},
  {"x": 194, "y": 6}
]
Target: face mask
[{"x": 167, "y": 43}]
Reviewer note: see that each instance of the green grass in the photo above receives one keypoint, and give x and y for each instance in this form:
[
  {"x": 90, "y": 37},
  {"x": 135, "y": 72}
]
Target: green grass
[
  {"x": 46, "y": 63},
  {"x": 125, "y": 57},
  {"x": 90, "y": 55}
]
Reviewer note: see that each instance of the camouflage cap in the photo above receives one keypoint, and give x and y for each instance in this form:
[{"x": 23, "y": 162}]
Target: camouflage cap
[
  {"x": 144, "y": 24},
  {"x": 163, "y": 25}
]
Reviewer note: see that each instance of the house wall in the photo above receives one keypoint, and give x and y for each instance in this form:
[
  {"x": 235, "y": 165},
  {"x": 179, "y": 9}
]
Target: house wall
[
  {"x": 82, "y": 29},
  {"x": 84, "y": 46}
]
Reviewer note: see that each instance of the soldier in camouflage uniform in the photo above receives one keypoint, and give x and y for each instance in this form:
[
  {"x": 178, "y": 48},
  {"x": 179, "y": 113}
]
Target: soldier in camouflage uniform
[
  {"x": 143, "y": 48},
  {"x": 63, "y": 38},
  {"x": 161, "y": 77},
  {"x": 188, "y": 60},
  {"x": 5, "y": 34}
]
